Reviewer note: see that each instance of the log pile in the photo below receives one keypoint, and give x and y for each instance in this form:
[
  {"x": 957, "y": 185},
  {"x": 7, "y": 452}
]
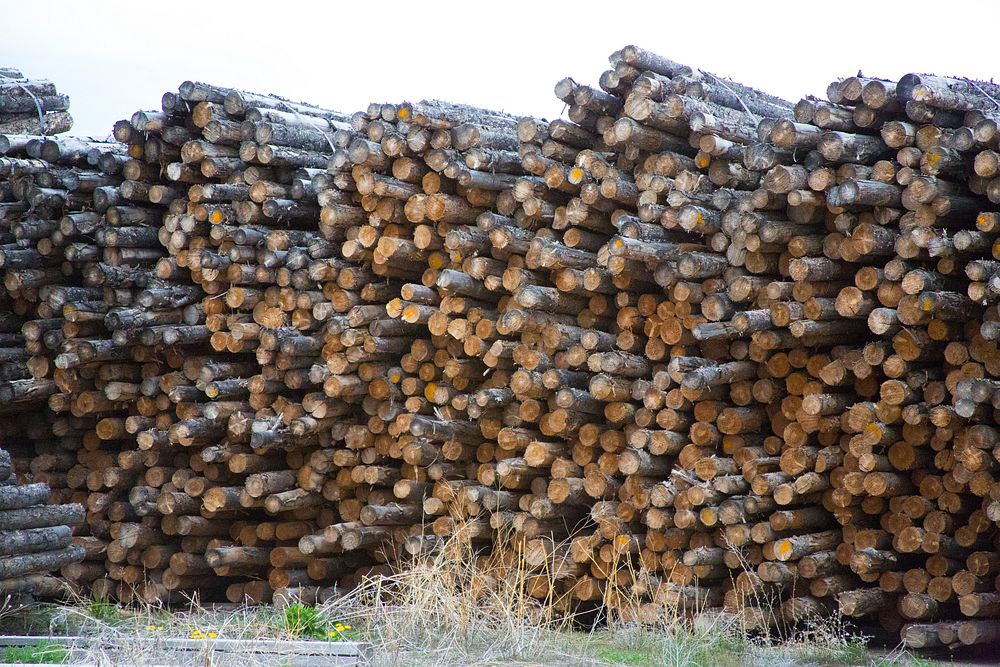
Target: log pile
[
  {"x": 55, "y": 266},
  {"x": 31, "y": 106},
  {"x": 693, "y": 347},
  {"x": 36, "y": 538}
]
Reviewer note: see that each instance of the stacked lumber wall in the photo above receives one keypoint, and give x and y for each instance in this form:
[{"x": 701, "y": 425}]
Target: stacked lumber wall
[
  {"x": 36, "y": 538},
  {"x": 694, "y": 345}
]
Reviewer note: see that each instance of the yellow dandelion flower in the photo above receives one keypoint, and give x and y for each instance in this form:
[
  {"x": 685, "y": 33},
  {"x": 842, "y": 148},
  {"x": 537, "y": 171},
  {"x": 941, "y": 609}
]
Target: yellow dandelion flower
[
  {"x": 331, "y": 634},
  {"x": 213, "y": 635},
  {"x": 347, "y": 627}
]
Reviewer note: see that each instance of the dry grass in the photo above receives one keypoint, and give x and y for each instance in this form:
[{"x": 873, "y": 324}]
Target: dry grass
[{"x": 454, "y": 609}]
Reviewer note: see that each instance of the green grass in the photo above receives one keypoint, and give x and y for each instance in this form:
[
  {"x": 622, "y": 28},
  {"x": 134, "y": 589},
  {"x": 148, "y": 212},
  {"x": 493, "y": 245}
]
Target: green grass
[
  {"x": 44, "y": 652},
  {"x": 102, "y": 610},
  {"x": 899, "y": 659},
  {"x": 644, "y": 647},
  {"x": 718, "y": 644},
  {"x": 916, "y": 661},
  {"x": 623, "y": 656}
]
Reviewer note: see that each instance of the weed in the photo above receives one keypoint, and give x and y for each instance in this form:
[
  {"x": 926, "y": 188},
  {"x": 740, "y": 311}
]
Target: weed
[
  {"x": 300, "y": 621},
  {"x": 103, "y": 611},
  {"x": 42, "y": 652},
  {"x": 303, "y": 622}
]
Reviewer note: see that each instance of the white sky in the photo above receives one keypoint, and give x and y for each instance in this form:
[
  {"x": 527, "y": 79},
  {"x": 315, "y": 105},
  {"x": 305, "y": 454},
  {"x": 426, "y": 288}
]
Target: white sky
[{"x": 114, "y": 57}]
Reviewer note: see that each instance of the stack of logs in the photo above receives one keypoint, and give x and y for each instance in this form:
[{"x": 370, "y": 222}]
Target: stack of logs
[
  {"x": 31, "y": 106},
  {"x": 35, "y": 537},
  {"x": 693, "y": 347},
  {"x": 41, "y": 179}
]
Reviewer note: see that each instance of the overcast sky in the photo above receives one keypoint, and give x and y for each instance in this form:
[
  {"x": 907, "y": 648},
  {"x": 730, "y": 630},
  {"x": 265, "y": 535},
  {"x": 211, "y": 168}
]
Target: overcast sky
[{"x": 114, "y": 58}]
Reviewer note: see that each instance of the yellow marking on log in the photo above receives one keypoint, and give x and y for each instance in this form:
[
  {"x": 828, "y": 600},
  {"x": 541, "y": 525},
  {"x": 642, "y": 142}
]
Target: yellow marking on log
[{"x": 785, "y": 548}]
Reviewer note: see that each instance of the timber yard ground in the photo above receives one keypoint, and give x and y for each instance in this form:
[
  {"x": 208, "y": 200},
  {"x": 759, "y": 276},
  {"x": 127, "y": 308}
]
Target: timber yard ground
[
  {"x": 115, "y": 635},
  {"x": 433, "y": 615}
]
